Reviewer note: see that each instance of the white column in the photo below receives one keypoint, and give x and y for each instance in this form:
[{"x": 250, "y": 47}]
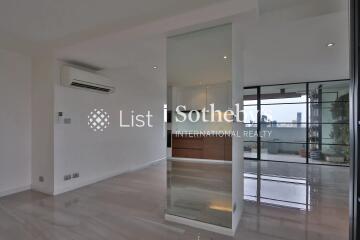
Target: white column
[{"x": 43, "y": 124}]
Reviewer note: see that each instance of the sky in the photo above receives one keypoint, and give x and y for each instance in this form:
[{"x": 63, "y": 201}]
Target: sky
[{"x": 275, "y": 112}]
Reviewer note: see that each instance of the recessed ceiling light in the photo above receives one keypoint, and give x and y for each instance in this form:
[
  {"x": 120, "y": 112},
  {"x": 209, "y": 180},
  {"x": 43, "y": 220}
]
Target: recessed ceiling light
[
  {"x": 331, "y": 44},
  {"x": 225, "y": 57},
  {"x": 155, "y": 67}
]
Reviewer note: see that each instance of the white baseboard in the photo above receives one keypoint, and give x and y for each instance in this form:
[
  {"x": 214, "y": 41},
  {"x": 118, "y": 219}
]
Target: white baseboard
[
  {"x": 79, "y": 184},
  {"x": 14, "y": 190},
  {"x": 200, "y": 225},
  {"x": 84, "y": 183},
  {"x": 40, "y": 189}
]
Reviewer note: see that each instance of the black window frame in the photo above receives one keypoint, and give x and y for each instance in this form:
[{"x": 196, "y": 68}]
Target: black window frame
[{"x": 307, "y": 122}]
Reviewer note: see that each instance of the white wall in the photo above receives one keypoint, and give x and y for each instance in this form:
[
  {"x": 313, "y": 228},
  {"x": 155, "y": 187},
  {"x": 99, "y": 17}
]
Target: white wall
[
  {"x": 43, "y": 73},
  {"x": 15, "y": 122},
  {"x": 97, "y": 156}
]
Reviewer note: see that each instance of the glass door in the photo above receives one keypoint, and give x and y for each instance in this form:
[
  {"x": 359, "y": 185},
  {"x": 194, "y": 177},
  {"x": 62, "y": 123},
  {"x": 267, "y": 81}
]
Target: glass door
[
  {"x": 283, "y": 123},
  {"x": 298, "y": 123}
]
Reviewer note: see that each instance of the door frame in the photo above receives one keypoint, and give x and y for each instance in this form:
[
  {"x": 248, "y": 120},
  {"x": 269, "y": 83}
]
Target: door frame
[{"x": 354, "y": 122}]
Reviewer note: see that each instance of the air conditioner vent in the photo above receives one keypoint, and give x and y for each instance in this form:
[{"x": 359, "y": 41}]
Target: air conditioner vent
[{"x": 81, "y": 85}]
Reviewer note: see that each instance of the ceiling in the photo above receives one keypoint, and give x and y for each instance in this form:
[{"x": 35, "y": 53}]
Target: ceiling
[
  {"x": 137, "y": 50},
  {"x": 50, "y": 20},
  {"x": 284, "y": 46},
  {"x": 138, "y": 56},
  {"x": 298, "y": 51}
]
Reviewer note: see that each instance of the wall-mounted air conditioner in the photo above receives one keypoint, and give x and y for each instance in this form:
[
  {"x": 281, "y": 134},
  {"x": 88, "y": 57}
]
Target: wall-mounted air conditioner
[{"x": 77, "y": 78}]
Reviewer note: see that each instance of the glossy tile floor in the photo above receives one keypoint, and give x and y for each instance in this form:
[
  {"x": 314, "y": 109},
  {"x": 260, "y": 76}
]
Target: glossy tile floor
[
  {"x": 132, "y": 206},
  {"x": 296, "y": 201}
]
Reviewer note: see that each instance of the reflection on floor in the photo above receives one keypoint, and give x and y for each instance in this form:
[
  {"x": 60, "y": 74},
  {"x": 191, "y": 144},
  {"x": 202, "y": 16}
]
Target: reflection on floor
[
  {"x": 273, "y": 189},
  {"x": 283, "y": 157},
  {"x": 276, "y": 188},
  {"x": 131, "y": 207},
  {"x": 296, "y": 201}
]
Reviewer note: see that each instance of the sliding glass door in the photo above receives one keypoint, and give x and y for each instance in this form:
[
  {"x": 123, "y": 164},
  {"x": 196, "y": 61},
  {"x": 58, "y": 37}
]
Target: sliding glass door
[{"x": 301, "y": 123}]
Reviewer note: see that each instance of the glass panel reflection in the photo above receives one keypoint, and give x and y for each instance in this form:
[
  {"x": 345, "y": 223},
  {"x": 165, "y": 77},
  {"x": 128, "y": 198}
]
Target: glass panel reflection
[
  {"x": 200, "y": 191},
  {"x": 199, "y": 171}
]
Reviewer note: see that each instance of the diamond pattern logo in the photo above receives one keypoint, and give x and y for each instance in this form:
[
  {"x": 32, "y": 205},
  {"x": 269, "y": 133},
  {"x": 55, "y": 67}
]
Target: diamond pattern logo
[{"x": 98, "y": 120}]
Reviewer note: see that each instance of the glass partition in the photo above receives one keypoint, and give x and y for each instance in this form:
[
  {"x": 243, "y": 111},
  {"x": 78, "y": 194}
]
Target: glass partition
[{"x": 199, "y": 170}]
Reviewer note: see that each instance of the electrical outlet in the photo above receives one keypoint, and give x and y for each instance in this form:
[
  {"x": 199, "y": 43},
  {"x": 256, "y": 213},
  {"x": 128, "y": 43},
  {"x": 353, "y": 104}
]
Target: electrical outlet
[
  {"x": 67, "y": 120},
  {"x": 76, "y": 175},
  {"x": 67, "y": 177}
]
